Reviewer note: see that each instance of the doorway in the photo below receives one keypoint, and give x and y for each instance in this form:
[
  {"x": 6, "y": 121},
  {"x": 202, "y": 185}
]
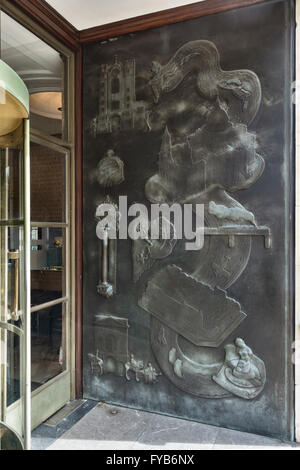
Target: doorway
[{"x": 47, "y": 69}]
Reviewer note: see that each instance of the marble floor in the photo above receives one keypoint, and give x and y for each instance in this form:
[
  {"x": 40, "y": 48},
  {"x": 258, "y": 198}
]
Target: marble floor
[{"x": 103, "y": 427}]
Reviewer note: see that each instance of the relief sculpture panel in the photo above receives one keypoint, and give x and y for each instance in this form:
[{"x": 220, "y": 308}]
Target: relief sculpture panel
[{"x": 192, "y": 114}]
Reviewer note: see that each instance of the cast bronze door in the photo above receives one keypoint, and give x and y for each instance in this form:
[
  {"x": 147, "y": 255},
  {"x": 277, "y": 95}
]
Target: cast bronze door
[{"x": 188, "y": 117}]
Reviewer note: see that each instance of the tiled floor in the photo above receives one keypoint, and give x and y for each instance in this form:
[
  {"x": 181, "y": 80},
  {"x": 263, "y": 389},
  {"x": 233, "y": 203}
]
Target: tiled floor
[{"x": 107, "y": 427}]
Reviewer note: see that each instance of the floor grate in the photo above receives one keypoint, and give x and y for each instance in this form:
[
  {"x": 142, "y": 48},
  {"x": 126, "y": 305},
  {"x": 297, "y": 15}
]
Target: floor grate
[{"x": 69, "y": 408}]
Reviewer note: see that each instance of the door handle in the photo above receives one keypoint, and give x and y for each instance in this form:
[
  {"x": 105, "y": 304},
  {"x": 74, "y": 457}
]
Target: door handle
[
  {"x": 108, "y": 249},
  {"x": 15, "y": 257},
  {"x": 105, "y": 288}
]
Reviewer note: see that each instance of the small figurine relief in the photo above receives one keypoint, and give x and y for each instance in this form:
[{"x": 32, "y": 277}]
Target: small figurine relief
[
  {"x": 234, "y": 214},
  {"x": 135, "y": 366},
  {"x": 96, "y": 362},
  {"x": 243, "y": 374},
  {"x": 110, "y": 170},
  {"x": 148, "y": 373},
  {"x": 162, "y": 337}
]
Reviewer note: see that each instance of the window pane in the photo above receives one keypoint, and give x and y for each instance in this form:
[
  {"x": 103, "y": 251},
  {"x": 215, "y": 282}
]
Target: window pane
[
  {"x": 47, "y": 265},
  {"x": 48, "y": 193},
  {"x": 11, "y": 308},
  {"x": 11, "y": 184},
  {"x": 48, "y": 344},
  {"x": 41, "y": 67},
  {"x": 14, "y": 236},
  {"x": 46, "y": 113},
  {"x": 13, "y": 368}
]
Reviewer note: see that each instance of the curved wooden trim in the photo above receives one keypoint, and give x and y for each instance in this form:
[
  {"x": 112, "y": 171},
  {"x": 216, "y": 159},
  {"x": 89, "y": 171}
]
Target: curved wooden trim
[
  {"x": 47, "y": 17},
  {"x": 161, "y": 18}
]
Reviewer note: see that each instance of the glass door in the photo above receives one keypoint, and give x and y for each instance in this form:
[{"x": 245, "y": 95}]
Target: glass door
[
  {"x": 15, "y": 394},
  {"x": 50, "y": 277},
  {"x": 47, "y": 69}
]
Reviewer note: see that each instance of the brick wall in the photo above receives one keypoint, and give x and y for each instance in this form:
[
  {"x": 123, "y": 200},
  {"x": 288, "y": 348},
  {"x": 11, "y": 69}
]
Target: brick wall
[{"x": 47, "y": 184}]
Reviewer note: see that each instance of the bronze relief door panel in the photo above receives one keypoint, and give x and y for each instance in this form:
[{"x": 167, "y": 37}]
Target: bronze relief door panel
[{"x": 189, "y": 115}]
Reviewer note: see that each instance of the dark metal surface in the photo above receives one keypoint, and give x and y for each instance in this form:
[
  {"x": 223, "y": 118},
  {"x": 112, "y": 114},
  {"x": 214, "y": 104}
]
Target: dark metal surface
[{"x": 198, "y": 113}]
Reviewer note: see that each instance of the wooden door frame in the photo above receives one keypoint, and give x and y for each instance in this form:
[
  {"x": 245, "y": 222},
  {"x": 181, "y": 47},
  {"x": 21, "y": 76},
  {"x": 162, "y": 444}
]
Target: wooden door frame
[{"x": 51, "y": 21}]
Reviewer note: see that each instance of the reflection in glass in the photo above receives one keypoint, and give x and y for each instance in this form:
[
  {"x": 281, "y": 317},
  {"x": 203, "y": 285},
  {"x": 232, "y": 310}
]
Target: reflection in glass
[
  {"x": 48, "y": 173},
  {"x": 48, "y": 348},
  {"x": 14, "y": 239},
  {"x": 41, "y": 67},
  {"x": 13, "y": 369},
  {"x": 47, "y": 265},
  {"x": 11, "y": 183},
  {"x": 11, "y": 311}
]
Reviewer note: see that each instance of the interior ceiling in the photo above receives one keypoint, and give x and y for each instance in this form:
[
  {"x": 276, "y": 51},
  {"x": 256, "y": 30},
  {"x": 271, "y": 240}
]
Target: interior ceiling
[
  {"x": 35, "y": 62},
  {"x": 89, "y": 13},
  {"x": 39, "y": 65}
]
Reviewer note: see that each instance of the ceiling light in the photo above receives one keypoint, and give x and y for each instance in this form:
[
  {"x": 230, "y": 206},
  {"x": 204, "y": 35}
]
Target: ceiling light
[{"x": 47, "y": 104}]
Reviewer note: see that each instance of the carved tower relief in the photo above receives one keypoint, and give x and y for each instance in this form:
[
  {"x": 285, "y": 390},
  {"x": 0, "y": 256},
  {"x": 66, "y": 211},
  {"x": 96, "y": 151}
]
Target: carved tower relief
[{"x": 119, "y": 111}]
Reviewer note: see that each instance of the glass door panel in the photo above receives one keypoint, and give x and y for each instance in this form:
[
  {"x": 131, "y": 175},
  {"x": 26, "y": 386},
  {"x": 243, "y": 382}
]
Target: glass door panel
[
  {"x": 11, "y": 184},
  {"x": 12, "y": 323},
  {"x": 48, "y": 189},
  {"x": 15, "y": 405},
  {"x": 50, "y": 278},
  {"x": 48, "y": 344},
  {"x": 48, "y": 264},
  {"x": 13, "y": 301}
]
